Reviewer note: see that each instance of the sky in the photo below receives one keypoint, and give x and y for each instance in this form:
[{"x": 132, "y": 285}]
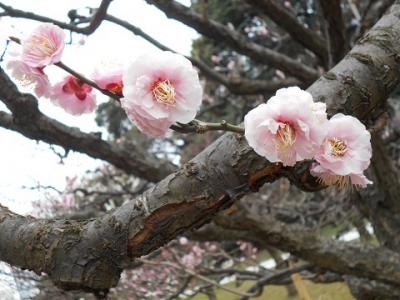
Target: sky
[{"x": 27, "y": 163}]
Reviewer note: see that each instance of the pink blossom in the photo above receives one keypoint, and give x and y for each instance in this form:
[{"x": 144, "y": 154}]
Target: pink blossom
[
  {"x": 74, "y": 96},
  {"x": 290, "y": 127},
  {"x": 347, "y": 146},
  {"x": 44, "y": 46},
  {"x": 145, "y": 122},
  {"x": 30, "y": 76},
  {"x": 160, "y": 90},
  {"x": 111, "y": 81},
  {"x": 345, "y": 151}
]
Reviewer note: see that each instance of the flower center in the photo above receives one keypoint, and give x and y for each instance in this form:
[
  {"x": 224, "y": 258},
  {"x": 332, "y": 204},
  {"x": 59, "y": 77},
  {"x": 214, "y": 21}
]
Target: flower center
[
  {"x": 338, "y": 147},
  {"x": 342, "y": 182},
  {"x": 44, "y": 45},
  {"x": 115, "y": 88},
  {"x": 286, "y": 136},
  {"x": 164, "y": 92},
  {"x": 77, "y": 87}
]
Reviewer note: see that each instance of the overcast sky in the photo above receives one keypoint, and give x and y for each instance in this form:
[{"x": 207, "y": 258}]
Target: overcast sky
[{"x": 24, "y": 162}]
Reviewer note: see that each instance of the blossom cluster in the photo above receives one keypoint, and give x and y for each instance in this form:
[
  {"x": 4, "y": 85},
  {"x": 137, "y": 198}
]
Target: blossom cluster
[
  {"x": 155, "y": 91},
  {"x": 291, "y": 127},
  {"x": 40, "y": 49}
]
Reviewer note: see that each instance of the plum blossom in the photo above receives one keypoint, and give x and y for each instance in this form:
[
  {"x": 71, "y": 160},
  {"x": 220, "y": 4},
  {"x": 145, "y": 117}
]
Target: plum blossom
[
  {"x": 160, "y": 90},
  {"x": 74, "y": 96},
  {"x": 44, "y": 46},
  {"x": 30, "y": 77},
  {"x": 290, "y": 127},
  {"x": 344, "y": 154},
  {"x": 111, "y": 81}
]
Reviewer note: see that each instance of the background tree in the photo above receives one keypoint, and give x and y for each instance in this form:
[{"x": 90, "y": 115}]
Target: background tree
[{"x": 222, "y": 199}]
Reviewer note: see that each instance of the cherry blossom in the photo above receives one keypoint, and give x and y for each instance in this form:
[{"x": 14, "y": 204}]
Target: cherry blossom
[
  {"x": 160, "y": 90},
  {"x": 345, "y": 153},
  {"x": 290, "y": 127},
  {"x": 30, "y": 77},
  {"x": 44, "y": 46},
  {"x": 74, "y": 96}
]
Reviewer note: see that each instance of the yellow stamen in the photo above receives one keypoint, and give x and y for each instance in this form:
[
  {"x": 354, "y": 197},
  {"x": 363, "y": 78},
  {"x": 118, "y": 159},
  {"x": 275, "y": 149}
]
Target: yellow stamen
[
  {"x": 164, "y": 92},
  {"x": 286, "y": 136},
  {"x": 44, "y": 45},
  {"x": 342, "y": 182},
  {"x": 338, "y": 147}
]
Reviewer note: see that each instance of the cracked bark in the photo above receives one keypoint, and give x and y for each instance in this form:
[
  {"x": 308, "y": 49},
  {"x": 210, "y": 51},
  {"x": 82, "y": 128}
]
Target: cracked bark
[{"x": 90, "y": 254}]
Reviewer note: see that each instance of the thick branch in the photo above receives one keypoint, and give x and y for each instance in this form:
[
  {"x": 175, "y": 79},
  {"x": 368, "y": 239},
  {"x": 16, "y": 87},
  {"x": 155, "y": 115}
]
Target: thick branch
[
  {"x": 29, "y": 121},
  {"x": 237, "y": 41},
  {"x": 283, "y": 18}
]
